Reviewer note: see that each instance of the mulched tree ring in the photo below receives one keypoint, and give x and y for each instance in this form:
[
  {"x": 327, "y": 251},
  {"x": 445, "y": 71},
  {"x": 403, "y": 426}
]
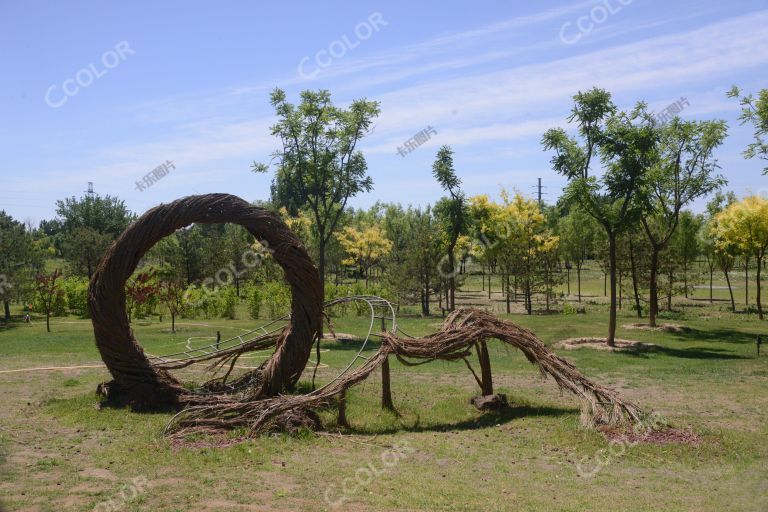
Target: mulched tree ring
[{"x": 601, "y": 344}]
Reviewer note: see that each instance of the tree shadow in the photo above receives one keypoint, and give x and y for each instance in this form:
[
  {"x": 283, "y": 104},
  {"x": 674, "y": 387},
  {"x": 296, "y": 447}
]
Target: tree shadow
[
  {"x": 486, "y": 420},
  {"x": 716, "y": 335},
  {"x": 685, "y": 353}
]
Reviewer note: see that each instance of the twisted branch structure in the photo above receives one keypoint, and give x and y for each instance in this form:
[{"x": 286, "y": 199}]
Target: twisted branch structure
[
  {"x": 255, "y": 401},
  {"x": 454, "y": 341},
  {"x": 143, "y": 385}
]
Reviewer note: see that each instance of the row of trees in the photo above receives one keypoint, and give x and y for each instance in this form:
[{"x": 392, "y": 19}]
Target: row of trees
[{"x": 630, "y": 183}]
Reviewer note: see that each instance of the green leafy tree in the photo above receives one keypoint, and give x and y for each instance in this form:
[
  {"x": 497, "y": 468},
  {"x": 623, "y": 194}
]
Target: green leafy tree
[
  {"x": 319, "y": 167},
  {"x": 625, "y": 143},
  {"x": 20, "y": 259},
  {"x": 89, "y": 225},
  {"x": 454, "y": 215},
  {"x": 754, "y": 111},
  {"x": 578, "y": 232},
  {"x": 684, "y": 172}
]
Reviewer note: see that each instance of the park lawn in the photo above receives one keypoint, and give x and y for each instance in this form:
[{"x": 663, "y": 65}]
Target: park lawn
[{"x": 62, "y": 453}]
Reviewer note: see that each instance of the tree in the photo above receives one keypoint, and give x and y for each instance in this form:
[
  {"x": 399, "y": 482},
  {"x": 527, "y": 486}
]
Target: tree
[
  {"x": 524, "y": 245},
  {"x": 412, "y": 265},
  {"x": 453, "y": 213},
  {"x": 104, "y": 214},
  {"x": 625, "y": 143},
  {"x": 139, "y": 290},
  {"x": 171, "y": 294},
  {"x": 365, "y": 247},
  {"x": 89, "y": 225},
  {"x": 745, "y": 225},
  {"x": 83, "y": 247},
  {"x": 685, "y": 171},
  {"x": 720, "y": 255},
  {"x": 48, "y": 291},
  {"x": 754, "y": 111},
  {"x": 319, "y": 167},
  {"x": 578, "y": 232},
  {"x": 19, "y": 259}
]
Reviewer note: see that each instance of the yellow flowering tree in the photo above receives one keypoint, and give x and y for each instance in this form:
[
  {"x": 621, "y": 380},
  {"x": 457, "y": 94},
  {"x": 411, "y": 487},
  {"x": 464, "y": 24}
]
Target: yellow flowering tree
[
  {"x": 744, "y": 225},
  {"x": 524, "y": 247},
  {"x": 364, "y": 247}
]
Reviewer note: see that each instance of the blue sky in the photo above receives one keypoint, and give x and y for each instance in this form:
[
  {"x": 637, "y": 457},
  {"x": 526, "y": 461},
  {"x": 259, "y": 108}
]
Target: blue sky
[{"x": 191, "y": 84}]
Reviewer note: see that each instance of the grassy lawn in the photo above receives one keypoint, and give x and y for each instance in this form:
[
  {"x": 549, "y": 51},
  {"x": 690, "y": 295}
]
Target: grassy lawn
[{"x": 59, "y": 452}]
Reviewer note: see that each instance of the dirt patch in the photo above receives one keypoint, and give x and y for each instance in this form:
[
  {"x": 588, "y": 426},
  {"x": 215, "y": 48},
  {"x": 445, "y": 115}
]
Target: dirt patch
[
  {"x": 342, "y": 337},
  {"x": 210, "y": 441},
  {"x": 673, "y": 328},
  {"x": 662, "y": 436},
  {"x": 600, "y": 344}
]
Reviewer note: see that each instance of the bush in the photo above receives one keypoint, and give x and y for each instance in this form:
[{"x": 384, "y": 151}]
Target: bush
[
  {"x": 76, "y": 295},
  {"x": 253, "y": 297},
  {"x": 277, "y": 298},
  {"x": 58, "y": 307},
  {"x": 227, "y": 300}
]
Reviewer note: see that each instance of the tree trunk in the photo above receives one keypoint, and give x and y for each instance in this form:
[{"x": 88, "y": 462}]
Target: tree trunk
[
  {"x": 633, "y": 268},
  {"x": 506, "y": 290},
  {"x": 711, "y": 278},
  {"x": 730, "y": 291},
  {"x": 173, "y": 322},
  {"x": 342, "y": 418},
  {"x": 485, "y": 369},
  {"x": 746, "y": 283},
  {"x": 386, "y": 388},
  {"x": 653, "y": 291},
  {"x": 671, "y": 278},
  {"x": 569, "y": 281},
  {"x": 759, "y": 304},
  {"x": 48, "y": 320},
  {"x": 7, "y": 307},
  {"x": 578, "y": 281},
  {"x": 611, "y": 339}
]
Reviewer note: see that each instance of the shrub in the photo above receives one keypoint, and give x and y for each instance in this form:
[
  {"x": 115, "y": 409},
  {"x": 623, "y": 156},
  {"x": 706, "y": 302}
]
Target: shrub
[
  {"x": 277, "y": 298},
  {"x": 227, "y": 300},
  {"x": 253, "y": 296},
  {"x": 76, "y": 295}
]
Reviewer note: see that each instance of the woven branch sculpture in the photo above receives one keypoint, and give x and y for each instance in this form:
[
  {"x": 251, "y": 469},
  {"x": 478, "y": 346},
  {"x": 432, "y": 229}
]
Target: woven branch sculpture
[
  {"x": 257, "y": 402},
  {"x": 137, "y": 382}
]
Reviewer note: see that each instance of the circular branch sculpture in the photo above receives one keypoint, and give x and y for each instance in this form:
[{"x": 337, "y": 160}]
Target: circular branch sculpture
[{"x": 140, "y": 384}]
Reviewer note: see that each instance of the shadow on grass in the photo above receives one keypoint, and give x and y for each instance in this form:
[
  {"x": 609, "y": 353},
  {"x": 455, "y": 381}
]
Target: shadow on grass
[
  {"x": 685, "y": 353},
  {"x": 486, "y": 420},
  {"x": 716, "y": 335}
]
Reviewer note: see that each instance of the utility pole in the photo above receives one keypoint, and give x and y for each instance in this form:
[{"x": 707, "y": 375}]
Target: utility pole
[
  {"x": 540, "y": 193},
  {"x": 540, "y": 203}
]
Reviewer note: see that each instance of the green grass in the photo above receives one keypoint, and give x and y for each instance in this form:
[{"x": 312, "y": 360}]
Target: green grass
[{"x": 62, "y": 453}]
